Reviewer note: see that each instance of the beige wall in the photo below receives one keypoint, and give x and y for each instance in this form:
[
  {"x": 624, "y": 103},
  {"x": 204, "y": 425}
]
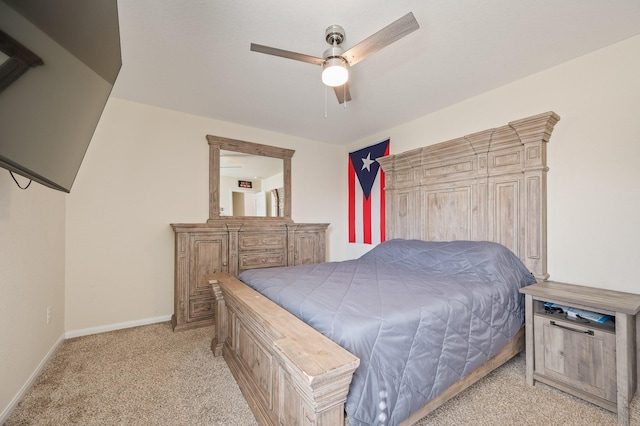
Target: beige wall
[
  {"x": 593, "y": 156},
  {"x": 31, "y": 279},
  {"x": 147, "y": 167}
]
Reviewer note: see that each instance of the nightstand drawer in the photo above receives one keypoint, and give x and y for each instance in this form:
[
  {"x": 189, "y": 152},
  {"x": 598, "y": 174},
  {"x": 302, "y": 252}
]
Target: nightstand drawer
[{"x": 576, "y": 354}]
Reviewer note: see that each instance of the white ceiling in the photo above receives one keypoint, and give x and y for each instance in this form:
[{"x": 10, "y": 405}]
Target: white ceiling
[{"x": 193, "y": 56}]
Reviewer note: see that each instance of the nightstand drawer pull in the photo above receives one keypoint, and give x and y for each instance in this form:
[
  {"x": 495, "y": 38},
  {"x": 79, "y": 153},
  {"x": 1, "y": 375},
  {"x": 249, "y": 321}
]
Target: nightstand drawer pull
[{"x": 589, "y": 332}]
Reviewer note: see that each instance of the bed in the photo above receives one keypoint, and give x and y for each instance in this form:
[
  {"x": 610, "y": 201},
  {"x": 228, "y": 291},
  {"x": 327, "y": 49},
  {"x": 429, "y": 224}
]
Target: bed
[{"x": 470, "y": 214}]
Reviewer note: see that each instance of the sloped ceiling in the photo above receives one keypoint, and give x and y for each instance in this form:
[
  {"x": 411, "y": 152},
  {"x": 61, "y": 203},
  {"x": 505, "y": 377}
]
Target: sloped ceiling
[{"x": 193, "y": 56}]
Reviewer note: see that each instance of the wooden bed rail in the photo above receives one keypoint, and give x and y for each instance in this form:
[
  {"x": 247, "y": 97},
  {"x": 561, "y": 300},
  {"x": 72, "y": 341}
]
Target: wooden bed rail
[{"x": 289, "y": 373}]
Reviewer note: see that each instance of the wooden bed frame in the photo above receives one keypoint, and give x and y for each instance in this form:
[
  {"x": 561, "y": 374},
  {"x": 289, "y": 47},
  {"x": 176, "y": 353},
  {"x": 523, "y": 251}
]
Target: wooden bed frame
[{"x": 489, "y": 185}]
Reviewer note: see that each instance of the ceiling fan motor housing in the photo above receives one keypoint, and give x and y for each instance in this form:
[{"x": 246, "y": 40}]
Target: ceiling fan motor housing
[
  {"x": 334, "y": 34},
  {"x": 333, "y": 52}
]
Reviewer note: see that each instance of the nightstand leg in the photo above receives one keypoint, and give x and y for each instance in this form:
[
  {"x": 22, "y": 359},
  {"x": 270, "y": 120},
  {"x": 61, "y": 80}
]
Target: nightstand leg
[
  {"x": 636, "y": 348},
  {"x": 529, "y": 350},
  {"x": 625, "y": 364}
]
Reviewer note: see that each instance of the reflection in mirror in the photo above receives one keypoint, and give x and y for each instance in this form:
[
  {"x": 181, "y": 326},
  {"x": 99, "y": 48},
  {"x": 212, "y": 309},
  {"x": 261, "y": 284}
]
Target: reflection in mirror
[
  {"x": 248, "y": 179},
  {"x": 249, "y": 184}
]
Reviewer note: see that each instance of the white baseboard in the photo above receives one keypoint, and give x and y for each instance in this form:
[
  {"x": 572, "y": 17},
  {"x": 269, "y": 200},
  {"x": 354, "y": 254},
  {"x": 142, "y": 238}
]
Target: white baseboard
[
  {"x": 117, "y": 326},
  {"x": 4, "y": 416}
]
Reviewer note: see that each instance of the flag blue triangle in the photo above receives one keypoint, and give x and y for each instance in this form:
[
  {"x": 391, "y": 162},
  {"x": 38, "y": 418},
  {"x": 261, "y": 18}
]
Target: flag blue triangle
[{"x": 365, "y": 166}]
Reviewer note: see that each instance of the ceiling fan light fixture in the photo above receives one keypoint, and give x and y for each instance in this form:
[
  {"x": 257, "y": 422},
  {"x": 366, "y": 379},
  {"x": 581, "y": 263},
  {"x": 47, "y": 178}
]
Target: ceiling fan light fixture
[{"x": 335, "y": 72}]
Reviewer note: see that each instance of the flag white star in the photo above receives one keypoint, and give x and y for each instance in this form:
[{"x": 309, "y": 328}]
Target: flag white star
[{"x": 366, "y": 162}]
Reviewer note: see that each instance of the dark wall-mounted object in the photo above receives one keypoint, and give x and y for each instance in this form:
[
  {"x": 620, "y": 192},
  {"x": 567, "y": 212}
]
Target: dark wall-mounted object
[
  {"x": 20, "y": 59},
  {"x": 49, "y": 114}
]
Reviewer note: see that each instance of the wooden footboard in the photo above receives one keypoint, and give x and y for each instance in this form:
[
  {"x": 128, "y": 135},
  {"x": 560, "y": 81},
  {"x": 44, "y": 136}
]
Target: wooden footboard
[{"x": 289, "y": 373}]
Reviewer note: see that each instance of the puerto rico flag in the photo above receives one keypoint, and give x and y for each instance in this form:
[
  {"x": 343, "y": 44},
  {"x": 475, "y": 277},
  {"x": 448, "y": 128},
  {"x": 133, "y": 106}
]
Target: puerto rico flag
[{"x": 366, "y": 195}]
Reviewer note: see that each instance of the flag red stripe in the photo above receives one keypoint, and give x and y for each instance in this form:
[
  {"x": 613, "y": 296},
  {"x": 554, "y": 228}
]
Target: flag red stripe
[
  {"x": 383, "y": 203},
  {"x": 352, "y": 203},
  {"x": 366, "y": 219}
]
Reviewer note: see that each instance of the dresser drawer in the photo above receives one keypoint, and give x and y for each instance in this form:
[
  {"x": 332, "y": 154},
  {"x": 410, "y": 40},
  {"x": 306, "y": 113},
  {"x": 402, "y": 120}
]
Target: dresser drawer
[
  {"x": 261, "y": 259},
  {"x": 200, "y": 309},
  {"x": 576, "y": 354},
  {"x": 254, "y": 241}
]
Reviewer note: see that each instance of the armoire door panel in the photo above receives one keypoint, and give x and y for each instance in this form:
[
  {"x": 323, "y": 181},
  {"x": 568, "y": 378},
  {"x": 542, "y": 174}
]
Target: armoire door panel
[{"x": 208, "y": 254}]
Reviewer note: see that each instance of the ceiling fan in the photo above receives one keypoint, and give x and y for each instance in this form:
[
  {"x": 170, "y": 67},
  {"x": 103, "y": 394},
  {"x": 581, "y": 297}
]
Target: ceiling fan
[{"x": 336, "y": 61}]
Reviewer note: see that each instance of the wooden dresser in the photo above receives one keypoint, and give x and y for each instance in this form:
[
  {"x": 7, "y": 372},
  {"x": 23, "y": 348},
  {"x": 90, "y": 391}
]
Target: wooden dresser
[{"x": 234, "y": 245}]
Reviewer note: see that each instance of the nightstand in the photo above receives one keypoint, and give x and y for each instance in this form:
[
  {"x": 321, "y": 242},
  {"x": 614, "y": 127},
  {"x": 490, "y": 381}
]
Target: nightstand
[{"x": 594, "y": 361}]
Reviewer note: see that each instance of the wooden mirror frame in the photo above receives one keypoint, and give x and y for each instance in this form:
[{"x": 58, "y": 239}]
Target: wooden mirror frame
[{"x": 217, "y": 143}]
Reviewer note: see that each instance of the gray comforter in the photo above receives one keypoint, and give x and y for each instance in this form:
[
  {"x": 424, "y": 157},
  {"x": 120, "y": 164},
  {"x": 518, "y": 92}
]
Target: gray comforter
[{"x": 419, "y": 315}]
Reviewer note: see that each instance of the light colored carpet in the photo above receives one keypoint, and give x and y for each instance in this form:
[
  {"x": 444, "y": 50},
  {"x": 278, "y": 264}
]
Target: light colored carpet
[
  {"x": 151, "y": 375},
  {"x": 146, "y": 375}
]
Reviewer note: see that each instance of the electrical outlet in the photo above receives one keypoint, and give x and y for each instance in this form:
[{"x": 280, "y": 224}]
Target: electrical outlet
[{"x": 48, "y": 314}]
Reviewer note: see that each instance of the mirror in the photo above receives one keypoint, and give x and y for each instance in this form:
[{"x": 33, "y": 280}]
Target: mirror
[
  {"x": 249, "y": 184},
  {"x": 248, "y": 179}
]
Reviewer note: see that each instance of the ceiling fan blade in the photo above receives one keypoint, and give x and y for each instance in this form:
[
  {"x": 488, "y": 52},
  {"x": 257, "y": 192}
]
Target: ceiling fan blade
[
  {"x": 342, "y": 93},
  {"x": 392, "y": 32},
  {"x": 286, "y": 54}
]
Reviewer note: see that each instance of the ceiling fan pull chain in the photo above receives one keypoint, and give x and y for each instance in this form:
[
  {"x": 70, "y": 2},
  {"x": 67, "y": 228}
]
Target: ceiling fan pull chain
[
  {"x": 325, "y": 102},
  {"x": 344, "y": 95}
]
